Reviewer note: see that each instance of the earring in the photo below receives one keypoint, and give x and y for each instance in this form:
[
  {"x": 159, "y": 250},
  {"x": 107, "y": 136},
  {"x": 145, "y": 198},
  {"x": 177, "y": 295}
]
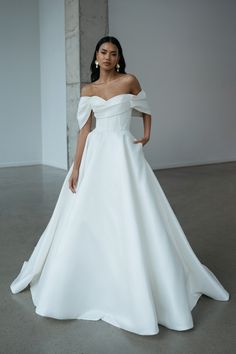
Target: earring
[
  {"x": 117, "y": 67},
  {"x": 96, "y": 63}
]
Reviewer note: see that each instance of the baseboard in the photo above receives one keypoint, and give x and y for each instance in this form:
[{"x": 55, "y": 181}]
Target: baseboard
[
  {"x": 159, "y": 167},
  {"x": 20, "y": 163},
  {"x": 193, "y": 164}
]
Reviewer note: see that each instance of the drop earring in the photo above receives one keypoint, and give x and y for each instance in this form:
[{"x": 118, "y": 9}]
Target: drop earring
[
  {"x": 117, "y": 67},
  {"x": 96, "y": 63}
]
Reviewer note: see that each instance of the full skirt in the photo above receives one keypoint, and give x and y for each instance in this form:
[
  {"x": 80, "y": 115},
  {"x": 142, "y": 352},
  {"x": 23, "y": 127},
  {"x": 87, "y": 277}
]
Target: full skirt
[{"x": 115, "y": 250}]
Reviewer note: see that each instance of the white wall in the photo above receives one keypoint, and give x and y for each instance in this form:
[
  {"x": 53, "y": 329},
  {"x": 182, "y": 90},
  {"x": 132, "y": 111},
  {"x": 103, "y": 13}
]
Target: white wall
[
  {"x": 33, "y": 84},
  {"x": 20, "y": 123},
  {"x": 53, "y": 82},
  {"x": 184, "y": 54}
]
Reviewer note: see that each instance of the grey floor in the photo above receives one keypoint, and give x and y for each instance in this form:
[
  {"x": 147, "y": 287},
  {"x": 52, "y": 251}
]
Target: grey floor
[{"x": 203, "y": 198}]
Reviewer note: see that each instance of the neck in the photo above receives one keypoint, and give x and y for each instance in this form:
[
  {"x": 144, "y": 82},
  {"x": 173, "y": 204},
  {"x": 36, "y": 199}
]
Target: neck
[{"x": 107, "y": 76}]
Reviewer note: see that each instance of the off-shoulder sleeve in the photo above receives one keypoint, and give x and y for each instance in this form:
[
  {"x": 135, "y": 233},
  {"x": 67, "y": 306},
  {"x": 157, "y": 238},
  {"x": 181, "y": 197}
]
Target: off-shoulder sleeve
[
  {"x": 140, "y": 103},
  {"x": 84, "y": 110}
]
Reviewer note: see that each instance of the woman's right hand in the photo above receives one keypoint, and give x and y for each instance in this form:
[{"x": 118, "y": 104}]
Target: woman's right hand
[{"x": 73, "y": 180}]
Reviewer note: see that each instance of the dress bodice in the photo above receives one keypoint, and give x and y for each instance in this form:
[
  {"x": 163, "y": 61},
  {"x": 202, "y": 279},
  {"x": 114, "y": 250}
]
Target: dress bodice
[{"x": 114, "y": 113}]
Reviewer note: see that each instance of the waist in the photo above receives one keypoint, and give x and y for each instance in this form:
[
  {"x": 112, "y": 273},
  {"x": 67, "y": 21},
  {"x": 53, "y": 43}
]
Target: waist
[
  {"x": 118, "y": 123},
  {"x": 113, "y": 129}
]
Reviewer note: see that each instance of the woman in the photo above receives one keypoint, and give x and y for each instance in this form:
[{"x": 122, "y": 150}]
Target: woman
[{"x": 114, "y": 249}]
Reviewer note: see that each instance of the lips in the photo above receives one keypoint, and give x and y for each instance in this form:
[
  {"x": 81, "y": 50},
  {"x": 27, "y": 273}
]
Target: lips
[{"x": 107, "y": 62}]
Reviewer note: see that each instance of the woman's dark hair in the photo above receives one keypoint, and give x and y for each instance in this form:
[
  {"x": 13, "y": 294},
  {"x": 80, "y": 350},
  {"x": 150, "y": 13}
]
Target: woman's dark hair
[{"x": 95, "y": 72}]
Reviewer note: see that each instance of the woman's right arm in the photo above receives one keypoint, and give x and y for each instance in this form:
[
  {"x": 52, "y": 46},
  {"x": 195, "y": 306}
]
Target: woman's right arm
[{"x": 81, "y": 139}]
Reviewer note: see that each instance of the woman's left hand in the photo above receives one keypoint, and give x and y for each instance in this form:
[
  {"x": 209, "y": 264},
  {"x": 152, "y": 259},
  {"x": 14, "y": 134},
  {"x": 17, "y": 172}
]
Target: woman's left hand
[{"x": 144, "y": 140}]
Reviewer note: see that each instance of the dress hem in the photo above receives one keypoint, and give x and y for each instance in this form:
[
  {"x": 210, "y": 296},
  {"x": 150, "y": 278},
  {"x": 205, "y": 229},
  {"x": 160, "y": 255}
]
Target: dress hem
[{"x": 110, "y": 320}]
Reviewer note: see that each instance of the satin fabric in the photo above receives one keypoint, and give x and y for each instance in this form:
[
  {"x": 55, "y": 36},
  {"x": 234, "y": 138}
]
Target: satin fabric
[{"x": 115, "y": 250}]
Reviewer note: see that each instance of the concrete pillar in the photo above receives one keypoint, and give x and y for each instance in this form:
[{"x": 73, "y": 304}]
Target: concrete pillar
[{"x": 86, "y": 21}]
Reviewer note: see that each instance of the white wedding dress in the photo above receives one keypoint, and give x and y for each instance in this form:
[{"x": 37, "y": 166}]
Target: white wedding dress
[{"x": 114, "y": 250}]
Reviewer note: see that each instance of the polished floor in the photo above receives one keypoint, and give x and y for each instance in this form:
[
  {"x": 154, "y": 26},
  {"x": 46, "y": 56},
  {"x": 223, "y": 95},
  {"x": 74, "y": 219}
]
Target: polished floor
[{"x": 204, "y": 200}]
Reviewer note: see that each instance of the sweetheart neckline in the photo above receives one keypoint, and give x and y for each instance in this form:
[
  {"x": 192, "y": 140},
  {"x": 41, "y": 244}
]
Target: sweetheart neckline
[{"x": 121, "y": 94}]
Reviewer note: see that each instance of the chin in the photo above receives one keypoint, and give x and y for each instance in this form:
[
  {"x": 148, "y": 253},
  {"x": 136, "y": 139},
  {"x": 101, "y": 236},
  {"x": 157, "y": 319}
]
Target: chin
[{"x": 108, "y": 68}]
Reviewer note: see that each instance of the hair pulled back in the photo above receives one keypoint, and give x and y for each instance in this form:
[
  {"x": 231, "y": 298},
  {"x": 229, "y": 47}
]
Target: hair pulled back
[{"x": 95, "y": 72}]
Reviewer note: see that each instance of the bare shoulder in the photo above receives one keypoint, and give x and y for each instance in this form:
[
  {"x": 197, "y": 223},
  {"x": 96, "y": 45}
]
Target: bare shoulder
[
  {"x": 134, "y": 84},
  {"x": 87, "y": 90}
]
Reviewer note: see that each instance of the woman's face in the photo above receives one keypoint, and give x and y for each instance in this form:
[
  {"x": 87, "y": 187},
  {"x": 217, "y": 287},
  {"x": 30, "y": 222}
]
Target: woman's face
[{"x": 107, "y": 56}]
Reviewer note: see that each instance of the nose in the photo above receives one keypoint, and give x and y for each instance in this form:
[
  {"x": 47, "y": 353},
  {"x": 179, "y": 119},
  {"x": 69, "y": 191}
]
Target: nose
[{"x": 108, "y": 56}]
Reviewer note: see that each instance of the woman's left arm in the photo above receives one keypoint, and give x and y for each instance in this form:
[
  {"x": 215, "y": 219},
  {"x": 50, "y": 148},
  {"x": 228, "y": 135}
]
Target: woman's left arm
[
  {"x": 147, "y": 123},
  {"x": 135, "y": 88}
]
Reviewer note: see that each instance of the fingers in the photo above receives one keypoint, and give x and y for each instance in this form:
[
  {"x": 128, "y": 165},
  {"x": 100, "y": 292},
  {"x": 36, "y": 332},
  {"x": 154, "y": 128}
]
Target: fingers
[
  {"x": 138, "y": 141},
  {"x": 72, "y": 185},
  {"x": 143, "y": 141}
]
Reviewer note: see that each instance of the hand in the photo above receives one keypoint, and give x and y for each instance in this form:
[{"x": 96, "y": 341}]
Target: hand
[
  {"x": 73, "y": 180},
  {"x": 144, "y": 140}
]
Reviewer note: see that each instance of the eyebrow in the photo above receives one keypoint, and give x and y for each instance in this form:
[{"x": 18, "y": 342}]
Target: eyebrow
[{"x": 112, "y": 51}]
